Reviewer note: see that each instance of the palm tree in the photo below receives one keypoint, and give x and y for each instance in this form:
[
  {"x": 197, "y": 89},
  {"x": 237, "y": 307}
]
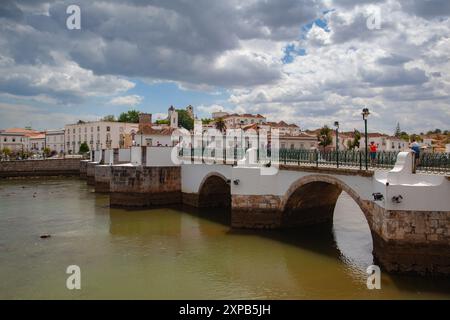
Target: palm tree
[
  {"x": 324, "y": 136},
  {"x": 220, "y": 125}
]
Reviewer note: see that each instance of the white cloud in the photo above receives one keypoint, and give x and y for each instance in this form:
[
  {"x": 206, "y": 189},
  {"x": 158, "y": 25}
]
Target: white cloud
[{"x": 131, "y": 100}]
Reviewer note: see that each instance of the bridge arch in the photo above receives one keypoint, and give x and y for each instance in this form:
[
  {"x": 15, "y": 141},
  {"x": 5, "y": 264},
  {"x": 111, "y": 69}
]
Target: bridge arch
[
  {"x": 214, "y": 191},
  {"x": 312, "y": 199}
]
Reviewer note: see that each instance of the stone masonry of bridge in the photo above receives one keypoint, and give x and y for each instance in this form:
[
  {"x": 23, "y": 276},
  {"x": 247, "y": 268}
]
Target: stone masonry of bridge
[
  {"x": 133, "y": 186},
  {"x": 409, "y": 237},
  {"x": 403, "y": 241}
]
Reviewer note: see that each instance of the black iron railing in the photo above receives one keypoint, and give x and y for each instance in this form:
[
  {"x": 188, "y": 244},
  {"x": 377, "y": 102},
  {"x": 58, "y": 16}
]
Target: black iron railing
[{"x": 428, "y": 162}]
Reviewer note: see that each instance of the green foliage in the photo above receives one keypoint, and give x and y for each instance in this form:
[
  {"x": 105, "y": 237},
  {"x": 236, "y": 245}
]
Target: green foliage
[
  {"x": 355, "y": 143},
  {"x": 325, "y": 137},
  {"x": 131, "y": 116},
  {"x": 404, "y": 136},
  {"x": 436, "y": 131},
  {"x": 398, "y": 131},
  {"x": 415, "y": 137},
  {"x": 109, "y": 117},
  {"x": 47, "y": 151},
  {"x": 220, "y": 125},
  {"x": 206, "y": 121},
  {"x": 83, "y": 148},
  {"x": 163, "y": 121},
  {"x": 185, "y": 120},
  {"x": 6, "y": 151}
]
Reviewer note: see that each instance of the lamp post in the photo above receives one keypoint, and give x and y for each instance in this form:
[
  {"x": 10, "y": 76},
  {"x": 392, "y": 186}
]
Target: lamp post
[
  {"x": 336, "y": 124},
  {"x": 365, "y": 114}
]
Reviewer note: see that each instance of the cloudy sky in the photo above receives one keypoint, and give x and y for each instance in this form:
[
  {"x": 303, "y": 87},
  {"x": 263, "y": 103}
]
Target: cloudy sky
[{"x": 305, "y": 61}]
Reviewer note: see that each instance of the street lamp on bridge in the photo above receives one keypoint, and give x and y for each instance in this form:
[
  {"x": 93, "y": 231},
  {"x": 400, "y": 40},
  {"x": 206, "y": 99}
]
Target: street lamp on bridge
[
  {"x": 336, "y": 124},
  {"x": 365, "y": 114}
]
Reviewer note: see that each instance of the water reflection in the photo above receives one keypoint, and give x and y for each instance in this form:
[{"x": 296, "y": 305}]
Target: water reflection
[{"x": 180, "y": 253}]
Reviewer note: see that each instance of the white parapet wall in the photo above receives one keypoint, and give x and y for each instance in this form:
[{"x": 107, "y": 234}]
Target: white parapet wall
[
  {"x": 136, "y": 156},
  {"x": 109, "y": 157},
  {"x": 124, "y": 155},
  {"x": 161, "y": 157},
  {"x": 98, "y": 156}
]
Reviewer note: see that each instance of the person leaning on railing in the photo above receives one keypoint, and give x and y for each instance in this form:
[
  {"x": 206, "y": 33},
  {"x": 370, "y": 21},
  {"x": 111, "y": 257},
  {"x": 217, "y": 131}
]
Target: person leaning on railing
[{"x": 415, "y": 147}]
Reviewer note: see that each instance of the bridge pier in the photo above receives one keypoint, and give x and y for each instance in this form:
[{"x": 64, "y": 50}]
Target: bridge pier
[
  {"x": 138, "y": 186},
  {"x": 90, "y": 173},
  {"x": 102, "y": 178},
  {"x": 83, "y": 169}
]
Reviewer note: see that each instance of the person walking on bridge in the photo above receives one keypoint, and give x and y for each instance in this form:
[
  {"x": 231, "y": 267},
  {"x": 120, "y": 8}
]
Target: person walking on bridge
[{"x": 373, "y": 153}]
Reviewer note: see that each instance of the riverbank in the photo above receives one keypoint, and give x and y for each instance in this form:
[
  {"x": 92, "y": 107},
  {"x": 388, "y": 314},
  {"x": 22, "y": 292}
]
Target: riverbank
[{"x": 40, "y": 168}]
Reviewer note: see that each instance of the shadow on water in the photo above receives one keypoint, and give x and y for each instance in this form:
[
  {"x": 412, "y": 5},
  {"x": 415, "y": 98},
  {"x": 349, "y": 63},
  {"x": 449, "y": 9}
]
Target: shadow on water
[{"x": 318, "y": 239}]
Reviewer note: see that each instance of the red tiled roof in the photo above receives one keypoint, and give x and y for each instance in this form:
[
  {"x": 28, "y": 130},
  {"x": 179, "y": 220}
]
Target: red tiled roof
[
  {"x": 21, "y": 131},
  {"x": 160, "y": 132}
]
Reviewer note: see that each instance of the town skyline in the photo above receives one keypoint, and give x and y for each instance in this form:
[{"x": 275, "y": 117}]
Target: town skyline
[{"x": 312, "y": 62}]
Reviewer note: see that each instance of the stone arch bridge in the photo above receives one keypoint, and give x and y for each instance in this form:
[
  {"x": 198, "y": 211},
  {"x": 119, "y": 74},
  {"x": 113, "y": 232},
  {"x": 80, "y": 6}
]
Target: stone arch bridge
[{"x": 408, "y": 214}]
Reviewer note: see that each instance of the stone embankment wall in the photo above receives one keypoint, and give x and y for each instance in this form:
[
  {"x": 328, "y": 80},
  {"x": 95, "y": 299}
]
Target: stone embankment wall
[{"x": 39, "y": 168}]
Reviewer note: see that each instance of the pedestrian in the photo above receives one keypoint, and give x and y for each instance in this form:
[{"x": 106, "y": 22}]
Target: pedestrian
[
  {"x": 415, "y": 147},
  {"x": 373, "y": 153}
]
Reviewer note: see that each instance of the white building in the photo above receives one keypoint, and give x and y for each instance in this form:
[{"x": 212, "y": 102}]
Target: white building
[
  {"x": 98, "y": 135},
  {"x": 300, "y": 141},
  {"x": 151, "y": 135},
  {"x": 16, "y": 139},
  {"x": 36, "y": 143},
  {"x": 283, "y": 128},
  {"x": 235, "y": 121},
  {"x": 385, "y": 142},
  {"x": 54, "y": 140},
  {"x": 219, "y": 114},
  {"x": 447, "y": 148}
]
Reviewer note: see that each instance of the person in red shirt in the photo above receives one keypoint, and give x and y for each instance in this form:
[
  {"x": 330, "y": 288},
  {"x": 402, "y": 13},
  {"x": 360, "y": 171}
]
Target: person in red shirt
[{"x": 373, "y": 152}]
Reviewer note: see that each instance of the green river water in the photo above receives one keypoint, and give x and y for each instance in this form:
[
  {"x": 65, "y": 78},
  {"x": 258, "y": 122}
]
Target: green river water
[{"x": 179, "y": 254}]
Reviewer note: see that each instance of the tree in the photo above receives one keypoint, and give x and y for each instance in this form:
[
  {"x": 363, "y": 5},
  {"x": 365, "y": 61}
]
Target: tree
[
  {"x": 398, "y": 131},
  {"x": 84, "y": 148},
  {"x": 81, "y": 122},
  {"x": 185, "y": 120},
  {"x": 163, "y": 121},
  {"x": 6, "y": 151},
  {"x": 131, "y": 116},
  {"x": 355, "y": 143},
  {"x": 47, "y": 151},
  {"x": 220, "y": 125},
  {"x": 404, "y": 136},
  {"x": 109, "y": 117},
  {"x": 415, "y": 137},
  {"x": 206, "y": 121},
  {"x": 325, "y": 137}
]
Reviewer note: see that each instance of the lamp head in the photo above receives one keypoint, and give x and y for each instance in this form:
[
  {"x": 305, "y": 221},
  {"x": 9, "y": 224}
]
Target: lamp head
[{"x": 365, "y": 113}]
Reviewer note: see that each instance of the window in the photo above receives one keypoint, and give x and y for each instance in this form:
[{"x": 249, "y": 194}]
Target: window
[
  {"x": 5, "y": 139},
  {"x": 108, "y": 129},
  {"x": 13, "y": 139},
  {"x": 92, "y": 129},
  {"x": 98, "y": 128},
  {"x": 283, "y": 145},
  {"x": 292, "y": 146}
]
